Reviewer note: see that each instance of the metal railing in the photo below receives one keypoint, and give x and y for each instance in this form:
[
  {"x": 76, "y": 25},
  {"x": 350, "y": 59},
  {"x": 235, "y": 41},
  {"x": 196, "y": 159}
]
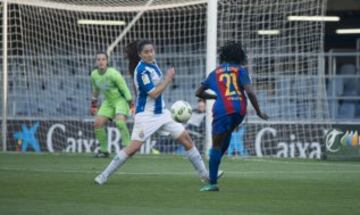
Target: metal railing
[{"x": 342, "y": 75}]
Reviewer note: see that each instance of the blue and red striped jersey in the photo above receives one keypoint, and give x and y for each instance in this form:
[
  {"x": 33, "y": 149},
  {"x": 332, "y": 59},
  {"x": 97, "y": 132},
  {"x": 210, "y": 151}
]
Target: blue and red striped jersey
[{"x": 228, "y": 81}]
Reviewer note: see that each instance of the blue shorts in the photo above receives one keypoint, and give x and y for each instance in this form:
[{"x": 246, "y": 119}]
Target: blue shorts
[{"x": 225, "y": 123}]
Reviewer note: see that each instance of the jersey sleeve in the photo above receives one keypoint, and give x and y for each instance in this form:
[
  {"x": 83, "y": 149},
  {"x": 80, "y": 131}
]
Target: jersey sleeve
[
  {"x": 206, "y": 83},
  {"x": 122, "y": 86},
  {"x": 93, "y": 83},
  {"x": 144, "y": 81},
  {"x": 244, "y": 77}
]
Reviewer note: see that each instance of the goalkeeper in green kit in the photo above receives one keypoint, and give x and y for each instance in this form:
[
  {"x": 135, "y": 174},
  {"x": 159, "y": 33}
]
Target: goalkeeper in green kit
[{"x": 116, "y": 105}]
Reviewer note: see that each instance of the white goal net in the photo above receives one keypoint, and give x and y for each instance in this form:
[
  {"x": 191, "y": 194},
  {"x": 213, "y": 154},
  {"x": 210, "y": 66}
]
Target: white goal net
[
  {"x": 52, "y": 46},
  {"x": 288, "y": 74}
]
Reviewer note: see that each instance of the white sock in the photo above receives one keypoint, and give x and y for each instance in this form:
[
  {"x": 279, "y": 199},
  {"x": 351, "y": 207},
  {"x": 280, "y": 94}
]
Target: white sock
[
  {"x": 116, "y": 163},
  {"x": 197, "y": 161}
]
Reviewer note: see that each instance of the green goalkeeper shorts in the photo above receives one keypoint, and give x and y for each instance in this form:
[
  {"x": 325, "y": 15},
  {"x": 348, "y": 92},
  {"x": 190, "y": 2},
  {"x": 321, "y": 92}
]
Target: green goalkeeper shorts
[{"x": 111, "y": 109}]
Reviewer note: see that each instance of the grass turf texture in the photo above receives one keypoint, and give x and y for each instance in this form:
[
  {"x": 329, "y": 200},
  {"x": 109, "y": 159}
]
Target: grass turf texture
[{"x": 166, "y": 184}]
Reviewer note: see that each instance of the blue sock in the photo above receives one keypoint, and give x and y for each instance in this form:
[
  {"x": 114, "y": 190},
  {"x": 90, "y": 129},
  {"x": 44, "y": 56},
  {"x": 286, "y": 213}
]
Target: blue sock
[
  {"x": 214, "y": 162},
  {"x": 225, "y": 144}
]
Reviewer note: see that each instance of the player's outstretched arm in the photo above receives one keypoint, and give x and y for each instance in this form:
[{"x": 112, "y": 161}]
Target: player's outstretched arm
[
  {"x": 170, "y": 73},
  {"x": 253, "y": 99},
  {"x": 201, "y": 93}
]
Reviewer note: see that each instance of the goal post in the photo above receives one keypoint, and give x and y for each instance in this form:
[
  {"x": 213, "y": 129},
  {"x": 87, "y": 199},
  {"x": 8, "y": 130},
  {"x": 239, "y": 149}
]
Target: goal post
[
  {"x": 4, "y": 8},
  {"x": 211, "y": 59}
]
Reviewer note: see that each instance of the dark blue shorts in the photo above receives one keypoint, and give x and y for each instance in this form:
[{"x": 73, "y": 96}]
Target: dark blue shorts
[{"x": 225, "y": 123}]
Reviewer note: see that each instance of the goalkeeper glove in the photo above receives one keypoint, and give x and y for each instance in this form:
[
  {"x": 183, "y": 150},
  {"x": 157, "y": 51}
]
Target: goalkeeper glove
[
  {"x": 93, "y": 107},
  {"x": 132, "y": 107}
]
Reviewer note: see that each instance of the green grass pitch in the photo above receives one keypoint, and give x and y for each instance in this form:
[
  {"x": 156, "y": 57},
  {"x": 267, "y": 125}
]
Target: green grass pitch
[{"x": 167, "y": 184}]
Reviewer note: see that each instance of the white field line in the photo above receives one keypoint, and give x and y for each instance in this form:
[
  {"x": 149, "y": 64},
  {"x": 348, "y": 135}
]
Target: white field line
[
  {"x": 287, "y": 161},
  {"x": 305, "y": 162},
  {"x": 237, "y": 173}
]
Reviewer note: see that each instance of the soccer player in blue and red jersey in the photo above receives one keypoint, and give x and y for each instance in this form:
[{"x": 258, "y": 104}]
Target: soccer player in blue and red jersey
[{"x": 229, "y": 81}]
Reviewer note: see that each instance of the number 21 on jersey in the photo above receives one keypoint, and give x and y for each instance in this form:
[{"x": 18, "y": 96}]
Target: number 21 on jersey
[{"x": 231, "y": 84}]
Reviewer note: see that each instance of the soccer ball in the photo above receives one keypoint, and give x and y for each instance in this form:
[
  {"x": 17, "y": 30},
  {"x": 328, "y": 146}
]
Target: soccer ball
[{"x": 181, "y": 111}]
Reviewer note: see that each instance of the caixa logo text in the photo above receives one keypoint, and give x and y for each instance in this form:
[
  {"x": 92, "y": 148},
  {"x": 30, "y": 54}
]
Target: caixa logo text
[
  {"x": 78, "y": 142},
  {"x": 284, "y": 146}
]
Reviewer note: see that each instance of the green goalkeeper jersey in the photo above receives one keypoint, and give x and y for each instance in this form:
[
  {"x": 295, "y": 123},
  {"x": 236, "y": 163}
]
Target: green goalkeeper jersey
[{"x": 111, "y": 84}]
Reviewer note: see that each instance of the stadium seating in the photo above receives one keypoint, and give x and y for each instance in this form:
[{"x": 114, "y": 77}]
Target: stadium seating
[
  {"x": 350, "y": 83},
  {"x": 346, "y": 110},
  {"x": 357, "y": 110},
  {"x": 347, "y": 69},
  {"x": 335, "y": 87},
  {"x": 69, "y": 93}
]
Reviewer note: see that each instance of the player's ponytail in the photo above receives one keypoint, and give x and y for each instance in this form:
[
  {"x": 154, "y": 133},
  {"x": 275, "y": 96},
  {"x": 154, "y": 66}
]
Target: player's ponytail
[{"x": 132, "y": 55}]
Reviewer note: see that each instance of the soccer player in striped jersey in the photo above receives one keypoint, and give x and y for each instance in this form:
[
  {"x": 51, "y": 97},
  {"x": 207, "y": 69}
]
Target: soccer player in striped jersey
[
  {"x": 109, "y": 82},
  {"x": 229, "y": 81},
  {"x": 151, "y": 115}
]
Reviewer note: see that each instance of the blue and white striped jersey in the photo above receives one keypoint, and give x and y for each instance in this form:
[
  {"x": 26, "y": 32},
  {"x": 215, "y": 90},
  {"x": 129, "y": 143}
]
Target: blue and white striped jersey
[{"x": 146, "y": 78}]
